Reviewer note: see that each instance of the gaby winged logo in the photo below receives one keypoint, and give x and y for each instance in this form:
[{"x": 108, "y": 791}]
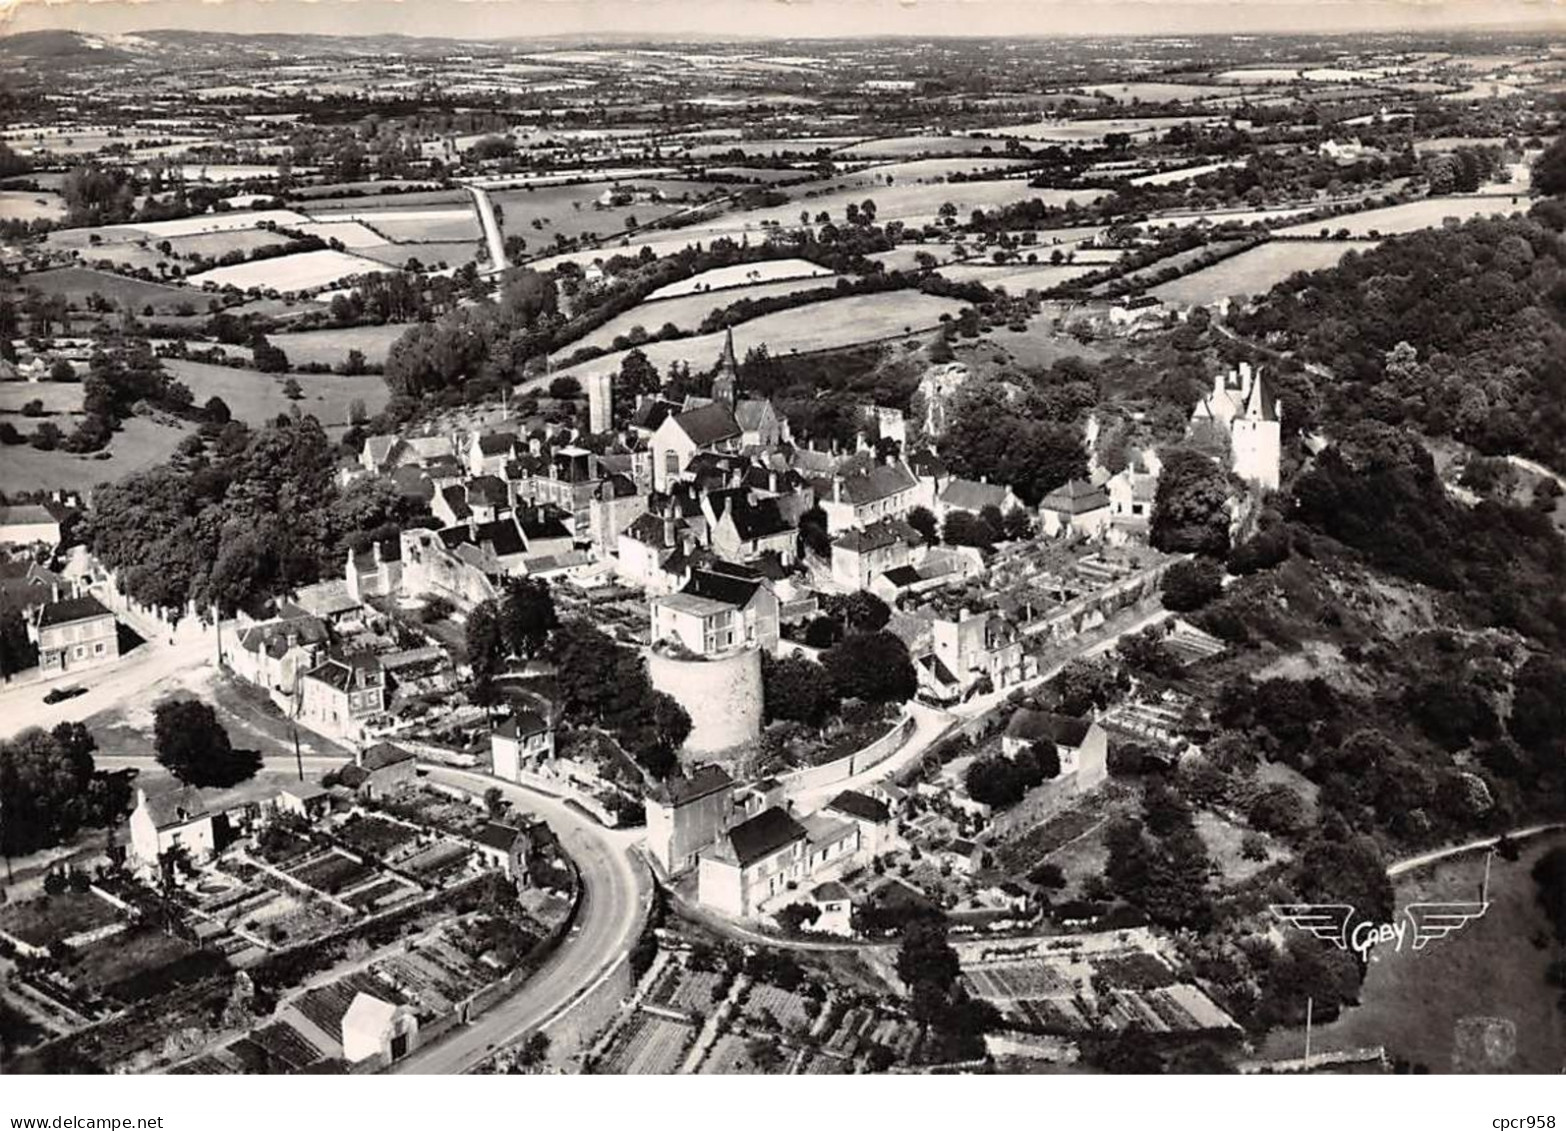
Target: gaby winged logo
[{"x": 1422, "y": 923}]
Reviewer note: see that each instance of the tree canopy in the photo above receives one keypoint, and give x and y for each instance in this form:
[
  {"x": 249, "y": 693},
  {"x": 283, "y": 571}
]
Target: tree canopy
[{"x": 194, "y": 747}]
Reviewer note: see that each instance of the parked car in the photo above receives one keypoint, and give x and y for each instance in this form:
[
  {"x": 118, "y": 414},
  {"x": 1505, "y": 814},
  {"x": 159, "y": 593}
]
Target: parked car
[{"x": 61, "y": 694}]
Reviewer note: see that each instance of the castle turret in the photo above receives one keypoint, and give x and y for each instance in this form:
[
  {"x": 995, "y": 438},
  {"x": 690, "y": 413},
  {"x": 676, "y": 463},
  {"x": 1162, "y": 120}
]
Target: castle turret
[{"x": 1256, "y": 436}]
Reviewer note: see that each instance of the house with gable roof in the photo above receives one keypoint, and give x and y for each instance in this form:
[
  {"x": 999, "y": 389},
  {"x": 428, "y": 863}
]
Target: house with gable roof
[
  {"x": 75, "y": 634},
  {"x": 859, "y": 497},
  {"x": 744, "y": 525},
  {"x": 1075, "y": 508},
  {"x": 861, "y": 555},
  {"x": 709, "y": 428},
  {"x": 341, "y": 695},
  {"x": 174, "y": 817},
  {"x": 972, "y": 495}
]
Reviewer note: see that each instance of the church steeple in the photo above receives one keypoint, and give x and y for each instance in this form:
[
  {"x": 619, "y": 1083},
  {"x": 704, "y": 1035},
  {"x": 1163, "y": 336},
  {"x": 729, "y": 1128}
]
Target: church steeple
[{"x": 725, "y": 383}]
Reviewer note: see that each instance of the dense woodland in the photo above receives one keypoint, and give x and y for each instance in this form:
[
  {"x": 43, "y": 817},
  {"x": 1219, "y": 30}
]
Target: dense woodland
[
  {"x": 239, "y": 515},
  {"x": 1457, "y": 332}
]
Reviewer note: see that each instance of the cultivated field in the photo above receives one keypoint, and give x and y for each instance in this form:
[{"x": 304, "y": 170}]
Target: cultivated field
[
  {"x": 419, "y": 225},
  {"x": 1177, "y": 176},
  {"x": 1154, "y": 91},
  {"x": 1256, "y": 271},
  {"x": 740, "y": 275},
  {"x": 257, "y": 397},
  {"x": 214, "y": 222},
  {"x": 1094, "y": 131},
  {"x": 925, "y": 171},
  {"x": 57, "y": 398},
  {"x": 350, "y": 233},
  {"x": 1017, "y": 278},
  {"x": 391, "y": 201},
  {"x": 572, "y": 210},
  {"x": 77, "y": 283},
  {"x": 332, "y": 346},
  {"x": 31, "y": 206},
  {"x": 428, "y": 255},
  {"x": 817, "y": 326},
  {"x": 687, "y": 311},
  {"x": 772, "y": 147},
  {"x": 309, "y": 270},
  {"x": 139, "y": 444},
  {"x": 915, "y": 146},
  {"x": 1411, "y": 217}
]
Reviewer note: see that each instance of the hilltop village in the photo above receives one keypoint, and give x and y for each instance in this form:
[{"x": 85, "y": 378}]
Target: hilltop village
[{"x": 503, "y": 576}]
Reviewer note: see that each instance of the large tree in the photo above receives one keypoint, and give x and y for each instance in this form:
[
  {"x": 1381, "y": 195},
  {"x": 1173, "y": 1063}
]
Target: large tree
[
  {"x": 991, "y": 438},
  {"x": 873, "y": 666},
  {"x": 527, "y": 615},
  {"x": 797, "y": 689},
  {"x": 1190, "y": 507},
  {"x": 44, "y": 785},
  {"x": 1549, "y": 170},
  {"x": 192, "y": 745}
]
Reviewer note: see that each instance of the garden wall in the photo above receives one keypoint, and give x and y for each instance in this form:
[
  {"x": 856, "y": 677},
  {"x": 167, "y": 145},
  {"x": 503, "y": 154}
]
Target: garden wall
[{"x": 813, "y": 777}]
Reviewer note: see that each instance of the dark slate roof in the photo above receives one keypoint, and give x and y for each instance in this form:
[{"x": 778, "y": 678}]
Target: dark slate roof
[
  {"x": 502, "y": 536},
  {"x": 710, "y": 424},
  {"x": 1076, "y": 497},
  {"x": 413, "y": 483},
  {"x": 546, "y": 525},
  {"x": 902, "y": 576},
  {"x": 26, "y": 514},
  {"x": 877, "y": 535},
  {"x": 753, "y": 519},
  {"x": 856, "y": 804},
  {"x": 339, "y": 673},
  {"x": 705, "y": 781},
  {"x": 725, "y": 587},
  {"x": 616, "y": 486},
  {"x": 522, "y": 724},
  {"x": 764, "y": 834},
  {"x": 647, "y": 529},
  {"x": 497, "y": 443},
  {"x": 176, "y": 807},
  {"x": 880, "y": 482},
  {"x": 273, "y": 637},
  {"x": 1062, "y": 730},
  {"x": 972, "y": 495},
  {"x": 496, "y": 835},
  {"x": 72, "y": 609},
  {"x": 927, "y": 464},
  {"x": 1261, "y": 405},
  {"x": 384, "y": 754},
  {"x": 488, "y": 489},
  {"x": 456, "y": 501},
  {"x": 327, "y": 1006},
  {"x": 652, "y": 413}
]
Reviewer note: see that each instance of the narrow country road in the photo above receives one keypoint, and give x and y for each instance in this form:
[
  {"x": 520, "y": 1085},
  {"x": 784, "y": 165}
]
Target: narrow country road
[
  {"x": 1424, "y": 858},
  {"x": 617, "y": 892},
  {"x": 491, "y": 225}
]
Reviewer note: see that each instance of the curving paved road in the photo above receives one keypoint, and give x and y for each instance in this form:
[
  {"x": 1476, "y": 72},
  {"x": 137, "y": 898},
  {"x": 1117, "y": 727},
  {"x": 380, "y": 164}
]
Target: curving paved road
[
  {"x": 492, "y": 236},
  {"x": 617, "y": 892}
]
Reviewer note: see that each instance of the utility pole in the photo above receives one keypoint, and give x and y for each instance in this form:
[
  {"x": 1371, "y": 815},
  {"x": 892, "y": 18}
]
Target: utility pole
[{"x": 1310, "y": 1004}]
